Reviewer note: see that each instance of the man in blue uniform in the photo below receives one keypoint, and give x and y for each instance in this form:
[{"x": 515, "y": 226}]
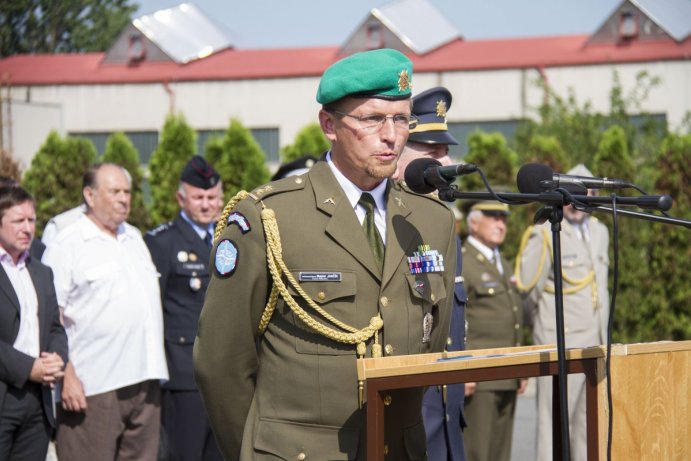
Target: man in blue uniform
[
  {"x": 180, "y": 250},
  {"x": 442, "y": 407}
]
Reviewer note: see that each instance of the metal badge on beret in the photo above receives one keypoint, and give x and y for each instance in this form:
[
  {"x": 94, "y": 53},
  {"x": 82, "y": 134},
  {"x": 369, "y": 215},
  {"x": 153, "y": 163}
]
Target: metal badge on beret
[
  {"x": 404, "y": 80},
  {"x": 226, "y": 260},
  {"x": 441, "y": 108}
]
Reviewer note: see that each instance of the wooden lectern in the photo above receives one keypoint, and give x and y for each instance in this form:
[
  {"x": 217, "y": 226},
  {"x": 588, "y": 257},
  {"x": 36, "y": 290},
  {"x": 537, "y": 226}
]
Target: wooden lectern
[{"x": 647, "y": 379}]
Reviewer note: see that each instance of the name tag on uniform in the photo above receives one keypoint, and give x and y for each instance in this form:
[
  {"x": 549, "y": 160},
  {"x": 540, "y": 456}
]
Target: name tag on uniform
[{"x": 319, "y": 276}]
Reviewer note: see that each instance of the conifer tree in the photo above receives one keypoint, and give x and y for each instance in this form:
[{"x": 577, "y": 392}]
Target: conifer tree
[
  {"x": 121, "y": 151},
  {"x": 309, "y": 141},
  {"x": 56, "y": 174},
  {"x": 177, "y": 145},
  {"x": 238, "y": 159}
]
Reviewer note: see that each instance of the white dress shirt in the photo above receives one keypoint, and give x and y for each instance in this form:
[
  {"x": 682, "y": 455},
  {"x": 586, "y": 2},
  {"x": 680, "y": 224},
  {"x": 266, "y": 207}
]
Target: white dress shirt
[
  {"x": 353, "y": 193},
  {"x": 27, "y": 339},
  {"x": 108, "y": 289}
]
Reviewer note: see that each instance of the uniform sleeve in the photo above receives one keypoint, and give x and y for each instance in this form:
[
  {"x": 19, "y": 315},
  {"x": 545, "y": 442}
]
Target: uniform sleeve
[
  {"x": 225, "y": 355},
  {"x": 535, "y": 265}
]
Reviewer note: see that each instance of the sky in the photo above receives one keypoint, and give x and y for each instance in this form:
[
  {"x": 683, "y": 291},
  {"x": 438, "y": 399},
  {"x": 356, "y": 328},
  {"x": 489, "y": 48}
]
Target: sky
[{"x": 305, "y": 23}]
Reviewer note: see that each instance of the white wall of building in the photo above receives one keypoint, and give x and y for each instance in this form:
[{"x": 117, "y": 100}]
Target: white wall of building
[{"x": 289, "y": 104}]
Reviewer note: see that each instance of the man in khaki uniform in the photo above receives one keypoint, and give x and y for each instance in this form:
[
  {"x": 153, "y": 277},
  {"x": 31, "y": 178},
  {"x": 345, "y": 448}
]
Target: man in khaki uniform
[
  {"x": 495, "y": 319},
  {"x": 284, "y": 386},
  {"x": 585, "y": 262}
]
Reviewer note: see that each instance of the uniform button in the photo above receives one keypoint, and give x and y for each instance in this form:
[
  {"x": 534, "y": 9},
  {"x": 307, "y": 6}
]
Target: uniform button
[
  {"x": 386, "y": 449},
  {"x": 384, "y": 301},
  {"x": 566, "y": 330},
  {"x": 387, "y": 399},
  {"x": 182, "y": 339},
  {"x": 321, "y": 296},
  {"x": 432, "y": 297},
  {"x": 388, "y": 349},
  {"x": 515, "y": 308},
  {"x": 298, "y": 181},
  {"x": 517, "y": 326},
  {"x": 491, "y": 291},
  {"x": 302, "y": 456},
  {"x": 449, "y": 341}
]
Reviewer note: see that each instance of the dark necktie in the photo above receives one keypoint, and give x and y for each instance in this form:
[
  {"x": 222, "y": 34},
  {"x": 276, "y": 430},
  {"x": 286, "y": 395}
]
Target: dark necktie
[
  {"x": 208, "y": 239},
  {"x": 375, "y": 241}
]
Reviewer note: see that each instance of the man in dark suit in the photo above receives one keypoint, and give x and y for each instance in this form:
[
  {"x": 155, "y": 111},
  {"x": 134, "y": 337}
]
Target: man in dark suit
[
  {"x": 180, "y": 250},
  {"x": 33, "y": 343},
  {"x": 442, "y": 407}
]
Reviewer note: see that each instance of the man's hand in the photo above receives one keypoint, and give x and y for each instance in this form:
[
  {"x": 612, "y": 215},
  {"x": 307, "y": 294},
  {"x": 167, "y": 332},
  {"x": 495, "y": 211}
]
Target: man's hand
[
  {"x": 47, "y": 369},
  {"x": 522, "y": 386},
  {"x": 470, "y": 389},
  {"x": 73, "y": 398}
]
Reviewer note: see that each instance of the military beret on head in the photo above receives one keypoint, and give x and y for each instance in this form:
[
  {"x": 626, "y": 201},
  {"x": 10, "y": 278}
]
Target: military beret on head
[
  {"x": 296, "y": 167},
  {"x": 199, "y": 173},
  {"x": 429, "y": 107},
  {"x": 385, "y": 74}
]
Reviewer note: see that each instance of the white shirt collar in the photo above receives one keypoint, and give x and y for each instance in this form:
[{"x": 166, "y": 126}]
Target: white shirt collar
[
  {"x": 486, "y": 251},
  {"x": 353, "y": 192}
]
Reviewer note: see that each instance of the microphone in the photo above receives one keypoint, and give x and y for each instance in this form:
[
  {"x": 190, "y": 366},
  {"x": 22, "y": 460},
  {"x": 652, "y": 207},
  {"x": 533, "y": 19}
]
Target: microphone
[
  {"x": 534, "y": 178},
  {"x": 425, "y": 175}
]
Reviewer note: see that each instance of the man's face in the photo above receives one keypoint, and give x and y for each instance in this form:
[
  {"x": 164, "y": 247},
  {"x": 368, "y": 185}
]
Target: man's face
[
  {"x": 415, "y": 150},
  {"x": 109, "y": 199},
  {"x": 366, "y": 158},
  {"x": 17, "y": 227},
  {"x": 576, "y": 216},
  {"x": 202, "y": 206},
  {"x": 490, "y": 229}
]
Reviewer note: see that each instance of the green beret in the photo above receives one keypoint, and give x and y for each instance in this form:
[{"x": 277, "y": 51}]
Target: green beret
[{"x": 384, "y": 74}]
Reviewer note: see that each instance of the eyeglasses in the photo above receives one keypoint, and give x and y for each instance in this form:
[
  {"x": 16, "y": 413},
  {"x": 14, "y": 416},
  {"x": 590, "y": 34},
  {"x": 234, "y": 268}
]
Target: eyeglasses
[{"x": 372, "y": 123}]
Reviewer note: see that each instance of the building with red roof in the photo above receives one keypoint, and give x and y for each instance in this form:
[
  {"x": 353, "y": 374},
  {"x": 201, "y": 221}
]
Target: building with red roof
[{"x": 150, "y": 72}]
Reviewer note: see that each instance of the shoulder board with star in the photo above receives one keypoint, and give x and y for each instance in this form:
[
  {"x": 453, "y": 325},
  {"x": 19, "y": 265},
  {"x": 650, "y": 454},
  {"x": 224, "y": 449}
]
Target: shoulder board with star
[
  {"x": 159, "y": 229},
  {"x": 289, "y": 184}
]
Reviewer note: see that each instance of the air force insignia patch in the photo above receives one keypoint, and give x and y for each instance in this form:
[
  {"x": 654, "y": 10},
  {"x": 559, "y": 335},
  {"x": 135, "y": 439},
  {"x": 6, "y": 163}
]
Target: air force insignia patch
[
  {"x": 240, "y": 220},
  {"x": 226, "y": 260}
]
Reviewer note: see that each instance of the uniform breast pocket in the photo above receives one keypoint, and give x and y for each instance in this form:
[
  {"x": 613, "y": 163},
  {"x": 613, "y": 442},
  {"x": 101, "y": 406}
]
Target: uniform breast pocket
[
  {"x": 426, "y": 290},
  {"x": 489, "y": 289},
  {"x": 102, "y": 280},
  {"x": 334, "y": 293}
]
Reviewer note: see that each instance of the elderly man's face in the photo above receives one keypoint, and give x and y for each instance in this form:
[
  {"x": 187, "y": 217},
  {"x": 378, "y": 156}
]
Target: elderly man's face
[
  {"x": 489, "y": 228},
  {"x": 366, "y": 158},
  {"x": 415, "y": 150},
  {"x": 17, "y": 227},
  {"x": 109, "y": 199}
]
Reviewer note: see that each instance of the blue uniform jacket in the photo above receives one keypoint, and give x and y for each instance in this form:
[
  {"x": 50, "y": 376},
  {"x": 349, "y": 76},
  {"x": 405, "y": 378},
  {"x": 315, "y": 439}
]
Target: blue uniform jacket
[{"x": 444, "y": 420}]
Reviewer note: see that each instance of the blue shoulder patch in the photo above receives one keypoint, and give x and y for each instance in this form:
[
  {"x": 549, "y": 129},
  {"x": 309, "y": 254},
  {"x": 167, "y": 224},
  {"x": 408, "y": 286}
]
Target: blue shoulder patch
[{"x": 226, "y": 260}]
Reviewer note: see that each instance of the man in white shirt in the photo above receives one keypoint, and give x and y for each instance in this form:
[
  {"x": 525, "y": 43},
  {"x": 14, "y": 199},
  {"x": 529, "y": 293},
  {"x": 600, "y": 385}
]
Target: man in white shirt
[
  {"x": 107, "y": 288},
  {"x": 33, "y": 344}
]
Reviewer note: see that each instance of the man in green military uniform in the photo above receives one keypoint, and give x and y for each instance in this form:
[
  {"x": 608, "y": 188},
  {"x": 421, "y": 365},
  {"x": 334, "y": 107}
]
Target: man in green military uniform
[
  {"x": 315, "y": 270},
  {"x": 495, "y": 319}
]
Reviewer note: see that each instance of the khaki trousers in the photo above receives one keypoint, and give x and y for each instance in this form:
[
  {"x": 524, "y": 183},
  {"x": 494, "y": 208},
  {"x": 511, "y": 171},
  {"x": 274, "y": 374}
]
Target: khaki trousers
[{"x": 120, "y": 425}]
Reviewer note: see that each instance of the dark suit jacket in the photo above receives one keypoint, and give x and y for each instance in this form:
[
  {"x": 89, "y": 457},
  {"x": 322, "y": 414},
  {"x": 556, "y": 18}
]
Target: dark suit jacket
[
  {"x": 182, "y": 260},
  {"x": 15, "y": 366}
]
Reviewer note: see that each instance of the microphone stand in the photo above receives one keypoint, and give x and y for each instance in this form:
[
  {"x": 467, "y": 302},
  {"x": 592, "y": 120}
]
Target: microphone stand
[{"x": 554, "y": 212}]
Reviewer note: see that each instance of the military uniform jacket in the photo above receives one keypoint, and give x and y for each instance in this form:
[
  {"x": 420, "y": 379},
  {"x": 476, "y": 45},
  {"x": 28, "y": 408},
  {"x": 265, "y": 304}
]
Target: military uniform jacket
[
  {"x": 292, "y": 393},
  {"x": 182, "y": 260},
  {"x": 585, "y": 321},
  {"x": 494, "y": 314}
]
